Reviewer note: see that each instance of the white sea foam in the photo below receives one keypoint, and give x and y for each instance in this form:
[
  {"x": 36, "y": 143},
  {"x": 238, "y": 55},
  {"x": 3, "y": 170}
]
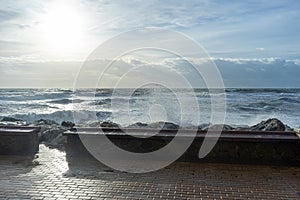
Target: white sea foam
[{"x": 244, "y": 106}]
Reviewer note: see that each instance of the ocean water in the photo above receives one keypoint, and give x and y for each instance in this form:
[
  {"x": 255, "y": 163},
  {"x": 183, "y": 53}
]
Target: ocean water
[{"x": 243, "y": 106}]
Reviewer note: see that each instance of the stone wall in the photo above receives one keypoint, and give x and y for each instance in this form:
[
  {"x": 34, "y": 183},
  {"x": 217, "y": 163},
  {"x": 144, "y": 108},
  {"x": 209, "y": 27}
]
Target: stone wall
[
  {"x": 228, "y": 151},
  {"x": 19, "y": 140}
]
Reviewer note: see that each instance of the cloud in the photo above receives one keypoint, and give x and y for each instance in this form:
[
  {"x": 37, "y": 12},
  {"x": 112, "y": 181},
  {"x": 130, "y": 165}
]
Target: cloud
[
  {"x": 38, "y": 74},
  {"x": 260, "y": 49},
  {"x": 236, "y": 72},
  {"x": 245, "y": 39},
  {"x": 239, "y": 72},
  {"x": 232, "y": 29},
  {"x": 268, "y": 72},
  {"x": 6, "y": 15}
]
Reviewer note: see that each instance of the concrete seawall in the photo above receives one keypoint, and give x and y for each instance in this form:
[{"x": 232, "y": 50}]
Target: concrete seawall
[
  {"x": 19, "y": 140},
  {"x": 257, "y": 147}
]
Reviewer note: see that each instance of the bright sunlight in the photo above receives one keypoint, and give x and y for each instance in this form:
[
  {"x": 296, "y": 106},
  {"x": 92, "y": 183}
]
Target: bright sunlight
[{"x": 62, "y": 28}]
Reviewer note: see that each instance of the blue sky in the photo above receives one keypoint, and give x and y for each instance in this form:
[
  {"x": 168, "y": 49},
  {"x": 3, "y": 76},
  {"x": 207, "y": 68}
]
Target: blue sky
[{"x": 42, "y": 37}]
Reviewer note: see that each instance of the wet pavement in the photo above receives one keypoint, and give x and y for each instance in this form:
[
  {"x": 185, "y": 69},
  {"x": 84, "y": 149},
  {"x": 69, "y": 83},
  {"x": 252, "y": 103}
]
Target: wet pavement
[{"x": 53, "y": 176}]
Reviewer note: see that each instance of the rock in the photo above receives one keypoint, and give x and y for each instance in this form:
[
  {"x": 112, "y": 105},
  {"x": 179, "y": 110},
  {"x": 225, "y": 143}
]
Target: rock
[
  {"x": 223, "y": 127},
  {"x": 155, "y": 125},
  {"x": 163, "y": 125},
  {"x": 44, "y": 128},
  {"x": 67, "y": 124},
  {"x": 272, "y": 124},
  {"x": 90, "y": 124},
  {"x": 45, "y": 122},
  {"x": 204, "y": 126},
  {"x": 58, "y": 142},
  {"x": 105, "y": 124},
  {"x": 48, "y": 135},
  {"x": 138, "y": 125},
  {"x": 287, "y": 128},
  {"x": 10, "y": 119},
  {"x": 242, "y": 128},
  {"x": 109, "y": 124},
  {"x": 52, "y": 135}
]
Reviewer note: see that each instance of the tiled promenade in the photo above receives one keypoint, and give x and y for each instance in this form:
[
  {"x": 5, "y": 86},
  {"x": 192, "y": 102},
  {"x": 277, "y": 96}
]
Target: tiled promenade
[{"x": 50, "y": 176}]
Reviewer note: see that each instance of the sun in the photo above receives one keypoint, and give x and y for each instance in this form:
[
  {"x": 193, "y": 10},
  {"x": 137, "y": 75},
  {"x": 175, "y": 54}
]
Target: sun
[{"x": 62, "y": 28}]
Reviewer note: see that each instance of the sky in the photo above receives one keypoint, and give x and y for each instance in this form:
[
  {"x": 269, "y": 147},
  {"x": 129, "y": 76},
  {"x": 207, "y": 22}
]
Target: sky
[{"x": 44, "y": 43}]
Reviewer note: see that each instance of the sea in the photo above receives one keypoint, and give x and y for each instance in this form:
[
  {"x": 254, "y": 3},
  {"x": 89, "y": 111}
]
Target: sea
[{"x": 244, "y": 106}]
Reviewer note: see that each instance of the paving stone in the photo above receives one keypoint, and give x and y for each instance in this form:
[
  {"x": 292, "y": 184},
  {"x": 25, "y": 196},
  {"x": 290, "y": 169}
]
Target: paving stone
[{"x": 55, "y": 177}]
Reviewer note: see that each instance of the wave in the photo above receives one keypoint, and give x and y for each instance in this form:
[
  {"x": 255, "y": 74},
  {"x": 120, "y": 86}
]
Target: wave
[
  {"x": 60, "y": 116},
  {"x": 103, "y": 92},
  {"x": 57, "y": 116},
  {"x": 66, "y": 101},
  {"x": 250, "y": 109},
  {"x": 288, "y": 100},
  {"x": 61, "y": 101},
  {"x": 102, "y": 102},
  {"x": 243, "y": 105},
  {"x": 26, "y": 95},
  {"x": 103, "y": 115},
  {"x": 118, "y": 100},
  {"x": 263, "y": 90}
]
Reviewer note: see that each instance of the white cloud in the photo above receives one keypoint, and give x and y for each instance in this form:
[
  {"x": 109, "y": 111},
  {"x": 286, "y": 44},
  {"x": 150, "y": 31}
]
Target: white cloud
[
  {"x": 235, "y": 29},
  {"x": 38, "y": 74},
  {"x": 260, "y": 49},
  {"x": 243, "y": 37}
]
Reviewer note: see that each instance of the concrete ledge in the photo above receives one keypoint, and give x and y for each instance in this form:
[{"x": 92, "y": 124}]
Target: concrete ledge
[
  {"x": 19, "y": 140},
  {"x": 281, "y": 148}
]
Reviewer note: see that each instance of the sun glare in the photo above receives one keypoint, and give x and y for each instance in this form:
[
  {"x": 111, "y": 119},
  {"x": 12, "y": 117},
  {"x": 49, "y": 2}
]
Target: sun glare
[{"x": 62, "y": 28}]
